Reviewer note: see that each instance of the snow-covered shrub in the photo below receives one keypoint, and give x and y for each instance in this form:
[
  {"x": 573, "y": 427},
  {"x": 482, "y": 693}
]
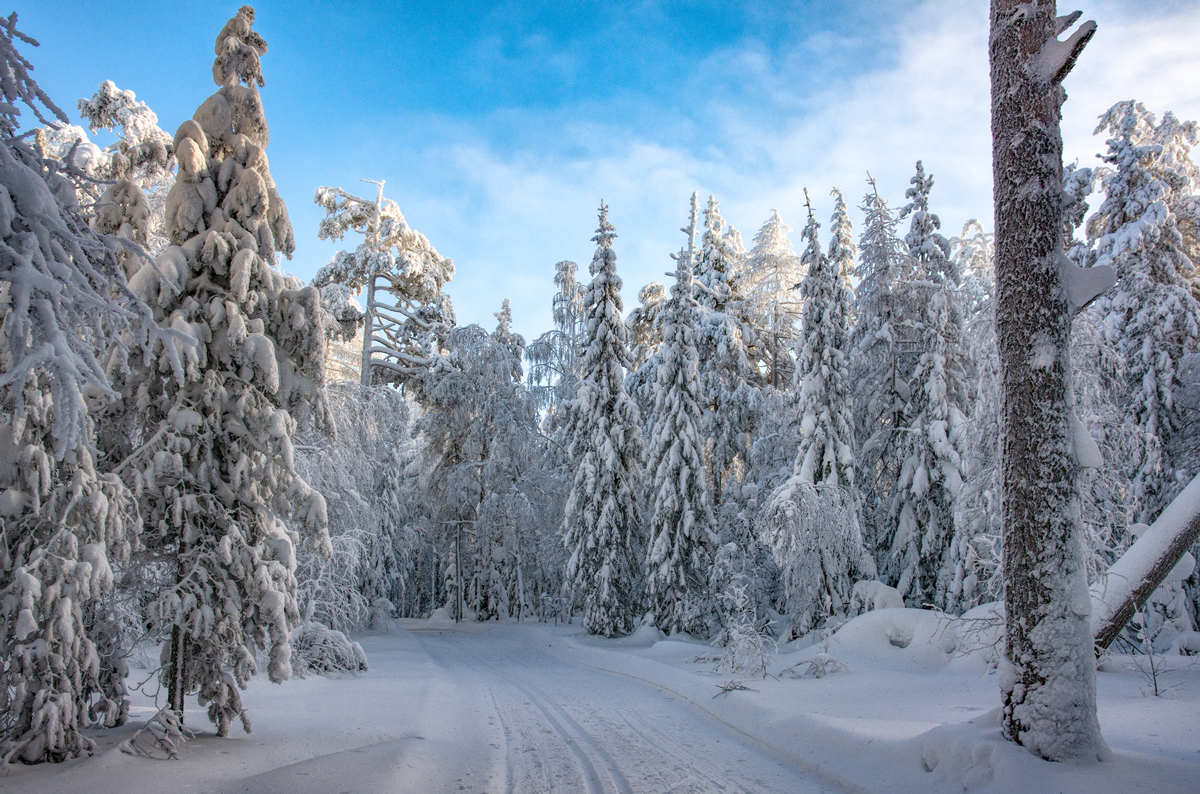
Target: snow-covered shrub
[
  {"x": 746, "y": 649},
  {"x": 817, "y": 666},
  {"x": 870, "y": 594},
  {"x": 813, "y": 532},
  {"x": 321, "y": 650}
]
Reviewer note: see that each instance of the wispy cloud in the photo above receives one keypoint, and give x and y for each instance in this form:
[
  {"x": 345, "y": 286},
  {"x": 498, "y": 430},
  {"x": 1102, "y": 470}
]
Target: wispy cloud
[{"x": 510, "y": 194}]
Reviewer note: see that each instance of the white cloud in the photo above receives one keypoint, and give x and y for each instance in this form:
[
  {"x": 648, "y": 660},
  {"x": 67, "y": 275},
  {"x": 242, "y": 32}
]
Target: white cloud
[{"x": 507, "y": 213}]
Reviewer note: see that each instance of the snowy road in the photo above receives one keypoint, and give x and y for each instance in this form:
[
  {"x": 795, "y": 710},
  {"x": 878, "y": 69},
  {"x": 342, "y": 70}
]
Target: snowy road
[
  {"x": 568, "y": 727},
  {"x": 444, "y": 708}
]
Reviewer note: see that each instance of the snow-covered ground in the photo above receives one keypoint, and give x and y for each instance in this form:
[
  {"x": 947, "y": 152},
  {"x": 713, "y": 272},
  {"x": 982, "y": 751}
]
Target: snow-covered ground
[{"x": 500, "y": 707}]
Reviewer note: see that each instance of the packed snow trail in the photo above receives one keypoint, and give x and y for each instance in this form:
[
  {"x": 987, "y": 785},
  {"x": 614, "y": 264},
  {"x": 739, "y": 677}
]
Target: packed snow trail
[
  {"x": 470, "y": 707},
  {"x": 569, "y": 727}
]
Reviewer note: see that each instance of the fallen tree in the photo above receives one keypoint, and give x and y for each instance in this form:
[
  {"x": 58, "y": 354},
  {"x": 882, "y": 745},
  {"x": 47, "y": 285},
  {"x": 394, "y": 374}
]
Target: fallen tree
[{"x": 1124, "y": 588}]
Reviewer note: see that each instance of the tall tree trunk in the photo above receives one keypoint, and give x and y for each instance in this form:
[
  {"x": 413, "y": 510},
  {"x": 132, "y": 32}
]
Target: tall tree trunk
[{"x": 1048, "y": 682}]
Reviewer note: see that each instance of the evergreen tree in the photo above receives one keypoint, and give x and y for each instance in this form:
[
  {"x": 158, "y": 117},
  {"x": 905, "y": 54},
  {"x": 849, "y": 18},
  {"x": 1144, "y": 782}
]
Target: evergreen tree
[
  {"x": 932, "y": 447},
  {"x": 63, "y": 519},
  {"x": 1152, "y": 317},
  {"x": 811, "y": 521},
  {"x": 880, "y": 390},
  {"x": 602, "y": 528},
  {"x": 825, "y": 409},
  {"x": 213, "y": 464},
  {"x": 681, "y": 524},
  {"x": 723, "y": 339}
]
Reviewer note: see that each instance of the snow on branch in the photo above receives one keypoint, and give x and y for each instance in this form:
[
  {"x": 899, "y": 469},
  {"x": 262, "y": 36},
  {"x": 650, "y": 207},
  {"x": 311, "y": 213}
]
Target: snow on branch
[{"x": 1057, "y": 58}]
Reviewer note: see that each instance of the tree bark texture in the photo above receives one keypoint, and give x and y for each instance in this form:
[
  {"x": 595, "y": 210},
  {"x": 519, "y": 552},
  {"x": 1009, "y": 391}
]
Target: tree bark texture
[{"x": 1048, "y": 681}]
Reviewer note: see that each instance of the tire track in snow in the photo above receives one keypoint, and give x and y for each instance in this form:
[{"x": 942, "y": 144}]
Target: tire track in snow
[{"x": 548, "y": 762}]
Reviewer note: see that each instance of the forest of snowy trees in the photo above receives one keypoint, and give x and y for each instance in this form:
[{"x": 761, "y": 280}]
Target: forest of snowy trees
[{"x": 203, "y": 454}]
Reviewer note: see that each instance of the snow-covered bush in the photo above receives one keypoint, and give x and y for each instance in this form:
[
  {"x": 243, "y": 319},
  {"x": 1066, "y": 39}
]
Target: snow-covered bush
[
  {"x": 746, "y": 649},
  {"x": 813, "y": 532},
  {"x": 870, "y": 594},
  {"x": 322, "y": 650}
]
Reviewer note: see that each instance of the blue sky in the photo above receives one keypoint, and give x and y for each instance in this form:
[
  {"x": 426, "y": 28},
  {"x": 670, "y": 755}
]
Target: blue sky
[{"x": 499, "y": 127}]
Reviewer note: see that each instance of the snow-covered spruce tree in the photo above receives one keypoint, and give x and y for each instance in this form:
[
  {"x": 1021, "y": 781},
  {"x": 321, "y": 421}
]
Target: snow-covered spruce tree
[
  {"x": 212, "y": 463},
  {"x": 925, "y": 244},
  {"x": 723, "y": 339},
  {"x": 772, "y": 275},
  {"x": 880, "y": 390},
  {"x": 826, "y": 412},
  {"x": 62, "y": 518},
  {"x": 932, "y": 443},
  {"x": 811, "y": 521},
  {"x": 394, "y": 262},
  {"x": 602, "y": 528},
  {"x": 1048, "y": 675},
  {"x": 681, "y": 526},
  {"x": 1153, "y": 318}
]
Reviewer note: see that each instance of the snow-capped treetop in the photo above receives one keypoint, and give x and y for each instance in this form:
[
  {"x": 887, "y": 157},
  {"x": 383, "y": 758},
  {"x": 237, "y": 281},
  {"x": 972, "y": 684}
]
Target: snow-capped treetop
[
  {"x": 513, "y": 343},
  {"x": 925, "y": 244},
  {"x": 554, "y": 357},
  {"x": 415, "y": 266},
  {"x": 973, "y": 253},
  {"x": 841, "y": 247},
  {"x": 110, "y": 108},
  {"x": 1148, "y": 192},
  {"x": 238, "y": 49},
  {"x": 720, "y": 260}
]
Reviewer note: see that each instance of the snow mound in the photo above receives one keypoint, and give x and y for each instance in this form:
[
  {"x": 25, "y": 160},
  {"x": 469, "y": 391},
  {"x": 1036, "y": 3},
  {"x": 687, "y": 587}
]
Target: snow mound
[
  {"x": 966, "y": 753},
  {"x": 915, "y": 640}
]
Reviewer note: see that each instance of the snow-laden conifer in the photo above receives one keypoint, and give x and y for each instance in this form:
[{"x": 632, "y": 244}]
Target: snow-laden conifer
[
  {"x": 877, "y": 382},
  {"x": 723, "y": 340},
  {"x": 681, "y": 535},
  {"x": 932, "y": 446},
  {"x": 811, "y": 521},
  {"x": 211, "y": 460},
  {"x": 825, "y": 408},
  {"x": 925, "y": 244},
  {"x": 1152, "y": 317},
  {"x": 602, "y": 529},
  {"x": 63, "y": 519}
]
